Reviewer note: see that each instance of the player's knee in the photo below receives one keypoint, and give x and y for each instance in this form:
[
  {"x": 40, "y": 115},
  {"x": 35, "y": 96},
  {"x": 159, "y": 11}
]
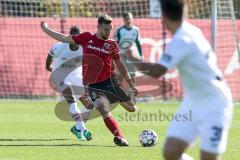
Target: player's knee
[
  {"x": 100, "y": 102},
  {"x": 70, "y": 99},
  {"x": 102, "y": 105},
  {"x": 106, "y": 115},
  {"x": 68, "y": 95}
]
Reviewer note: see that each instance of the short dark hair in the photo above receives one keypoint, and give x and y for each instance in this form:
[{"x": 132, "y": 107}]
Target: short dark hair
[
  {"x": 126, "y": 14},
  {"x": 173, "y": 9},
  {"x": 74, "y": 30},
  {"x": 104, "y": 19}
]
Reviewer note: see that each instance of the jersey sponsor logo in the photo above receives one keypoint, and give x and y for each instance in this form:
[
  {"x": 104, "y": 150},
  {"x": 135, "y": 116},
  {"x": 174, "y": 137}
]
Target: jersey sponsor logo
[
  {"x": 64, "y": 65},
  {"x": 124, "y": 45},
  {"x": 107, "y": 46},
  {"x": 101, "y": 50}
]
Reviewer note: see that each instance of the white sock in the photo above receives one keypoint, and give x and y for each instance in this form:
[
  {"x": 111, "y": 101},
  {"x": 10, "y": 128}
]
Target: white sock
[
  {"x": 186, "y": 157},
  {"x": 80, "y": 126},
  {"x": 74, "y": 110}
]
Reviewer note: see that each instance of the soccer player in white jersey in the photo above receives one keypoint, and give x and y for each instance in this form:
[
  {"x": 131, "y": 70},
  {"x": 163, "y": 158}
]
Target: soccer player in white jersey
[
  {"x": 128, "y": 38},
  {"x": 206, "y": 93},
  {"x": 60, "y": 61}
]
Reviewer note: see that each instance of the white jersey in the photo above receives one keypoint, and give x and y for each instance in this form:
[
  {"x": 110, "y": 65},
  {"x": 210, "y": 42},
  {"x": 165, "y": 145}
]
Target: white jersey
[
  {"x": 192, "y": 55},
  {"x": 62, "y": 56},
  {"x": 127, "y": 38}
]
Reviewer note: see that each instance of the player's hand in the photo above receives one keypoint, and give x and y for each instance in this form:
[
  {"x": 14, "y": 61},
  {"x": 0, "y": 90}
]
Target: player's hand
[
  {"x": 134, "y": 90},
  {"x": 44, "y": 25}
]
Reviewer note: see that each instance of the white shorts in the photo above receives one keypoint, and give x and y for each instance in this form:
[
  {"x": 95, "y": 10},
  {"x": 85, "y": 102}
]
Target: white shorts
[
  {"x": 74, "y": 81},
  {"x": 210, "y": 123}
]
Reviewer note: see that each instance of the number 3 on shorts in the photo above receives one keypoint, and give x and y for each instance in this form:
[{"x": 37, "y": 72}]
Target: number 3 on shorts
[{"x": 217, "y": 134}]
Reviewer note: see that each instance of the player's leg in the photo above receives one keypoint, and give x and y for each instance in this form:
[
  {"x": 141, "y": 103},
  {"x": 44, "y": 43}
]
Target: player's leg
[
  {"x": 102, "y": 104},
  {"x": 132, "y": 71},
  {"x": 181, "y": 133},
  {"x": 121, "y": 96},
  {"x": 79, "y": 130},
  {"x": 125, "y": 99},
  {"x": 209, "y": 156},
  {"x": 86, "y": 101},
  {"x": 86, "y": 111},
  {"x": 174, "y": 148}
]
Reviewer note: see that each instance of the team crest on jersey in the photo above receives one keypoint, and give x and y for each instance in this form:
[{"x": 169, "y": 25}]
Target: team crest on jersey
[
  {"x": 106, "y": 46},
  {"x": 91, "y": 41}
]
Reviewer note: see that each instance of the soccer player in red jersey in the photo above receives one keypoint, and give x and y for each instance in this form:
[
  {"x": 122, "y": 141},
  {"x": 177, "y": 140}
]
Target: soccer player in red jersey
[{"x": 101, "y": 55}]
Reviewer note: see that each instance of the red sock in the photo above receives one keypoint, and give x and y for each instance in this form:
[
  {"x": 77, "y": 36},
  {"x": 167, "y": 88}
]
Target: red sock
[{"x": 112, "y": 125}]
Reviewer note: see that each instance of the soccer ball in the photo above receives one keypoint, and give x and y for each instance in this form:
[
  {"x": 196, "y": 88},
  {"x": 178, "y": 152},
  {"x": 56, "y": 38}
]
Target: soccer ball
[{"x": 148, "y": 138}]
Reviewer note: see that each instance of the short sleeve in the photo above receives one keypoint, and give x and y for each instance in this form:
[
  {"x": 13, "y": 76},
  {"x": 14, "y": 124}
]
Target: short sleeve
[
  {"x": 176, "y": 51},
  {"x": 54, "y": 51},
  {"x": 138, "y": 35},
  {"x": 115, "y": 51},
  {"x": 82, "y": 38},
  {"x": 116, "y": 35}
]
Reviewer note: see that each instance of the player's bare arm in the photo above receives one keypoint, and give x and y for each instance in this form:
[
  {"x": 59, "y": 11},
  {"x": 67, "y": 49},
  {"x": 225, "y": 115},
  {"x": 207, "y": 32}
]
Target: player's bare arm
[
  {"x": 151, "y": 69},
  {"x": 56, "y": 35},
  {"x": 123, "y": 70},
  {"x": 49, "y": 61}
]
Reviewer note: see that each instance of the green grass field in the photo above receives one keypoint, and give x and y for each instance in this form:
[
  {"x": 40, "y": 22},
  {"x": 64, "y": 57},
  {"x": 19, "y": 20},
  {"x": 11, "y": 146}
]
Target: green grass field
[{"x": 31, "y": 131}]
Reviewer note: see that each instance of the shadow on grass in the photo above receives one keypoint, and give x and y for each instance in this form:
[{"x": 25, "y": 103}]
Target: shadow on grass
[
  {"x": 50, "y": 145},
  {"x": 26, "y": 140},
  {"x": 61, "y": 145},
  {"x": 47, "y": 145}
]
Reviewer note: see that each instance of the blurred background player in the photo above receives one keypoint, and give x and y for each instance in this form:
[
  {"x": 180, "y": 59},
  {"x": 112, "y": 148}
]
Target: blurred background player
[
  {"x": 206, "y": 94},
  {"x": 60, "y": 58},
  {"x": 128, "y": 39},
  {"x": 100, "y": 57}
]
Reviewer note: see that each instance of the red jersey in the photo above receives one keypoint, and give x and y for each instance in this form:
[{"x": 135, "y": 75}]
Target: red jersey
[{"x": 98, "y": 57}]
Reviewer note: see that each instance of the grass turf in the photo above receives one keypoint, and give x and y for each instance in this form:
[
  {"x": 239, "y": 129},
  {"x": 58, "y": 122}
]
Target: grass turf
[{"x": 30, "y": 130}]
